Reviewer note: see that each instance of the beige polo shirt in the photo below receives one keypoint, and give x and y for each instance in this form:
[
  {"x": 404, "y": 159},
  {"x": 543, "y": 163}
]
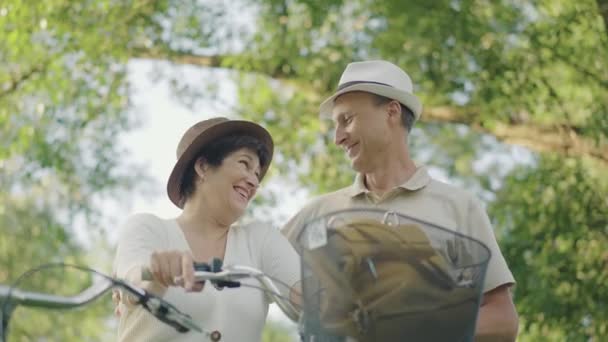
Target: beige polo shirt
[{"x": 420, "y": 197}]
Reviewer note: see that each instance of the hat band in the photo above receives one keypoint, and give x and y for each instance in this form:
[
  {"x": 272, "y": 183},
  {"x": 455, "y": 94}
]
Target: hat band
[{"x": 348, "y": 84}]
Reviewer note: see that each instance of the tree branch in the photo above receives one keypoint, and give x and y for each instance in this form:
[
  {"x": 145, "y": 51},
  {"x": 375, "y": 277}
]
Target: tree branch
[
  {"x": 562, "y": 139},
  {"x": 211, "y": 61},
  {"x": 580, "y": 68},
  {"x": 555, "y": 51},
  {"x": 18, "y": 80},
  {"x": 176, "y": 57}
]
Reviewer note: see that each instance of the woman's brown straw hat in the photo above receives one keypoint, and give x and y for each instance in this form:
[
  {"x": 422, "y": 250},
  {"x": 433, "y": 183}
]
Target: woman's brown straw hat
[{"x": 201, "y": 134}]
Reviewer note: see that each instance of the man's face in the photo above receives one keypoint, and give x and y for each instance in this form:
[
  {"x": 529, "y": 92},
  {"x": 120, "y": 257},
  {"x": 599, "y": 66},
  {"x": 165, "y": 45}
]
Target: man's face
[{"x": 361, "y": 129}]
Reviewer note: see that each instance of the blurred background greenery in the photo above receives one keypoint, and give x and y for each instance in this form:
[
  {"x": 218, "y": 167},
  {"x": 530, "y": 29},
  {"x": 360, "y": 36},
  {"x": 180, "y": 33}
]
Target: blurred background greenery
[{"x": 516, "y": 109}]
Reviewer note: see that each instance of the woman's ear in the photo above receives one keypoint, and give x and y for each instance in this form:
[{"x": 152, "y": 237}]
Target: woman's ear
[{"x": 200, "y": 167}]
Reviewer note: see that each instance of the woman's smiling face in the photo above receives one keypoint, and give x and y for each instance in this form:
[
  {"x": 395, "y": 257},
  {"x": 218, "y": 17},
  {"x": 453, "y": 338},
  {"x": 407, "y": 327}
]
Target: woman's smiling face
[{"x": 233, "y": 183}]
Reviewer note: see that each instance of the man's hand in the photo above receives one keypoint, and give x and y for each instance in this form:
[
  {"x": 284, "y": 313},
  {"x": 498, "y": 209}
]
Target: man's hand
[{"x": 497, "y": 319}]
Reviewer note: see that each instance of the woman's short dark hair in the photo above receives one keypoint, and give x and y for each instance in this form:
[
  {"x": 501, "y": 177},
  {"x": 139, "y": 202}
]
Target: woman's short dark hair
[{"x": 215, "y": 153}]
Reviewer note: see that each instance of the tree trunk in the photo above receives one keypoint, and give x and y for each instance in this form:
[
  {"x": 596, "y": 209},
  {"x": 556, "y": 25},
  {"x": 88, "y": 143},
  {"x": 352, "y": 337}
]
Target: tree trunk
[{"x": 603, "y": 8}]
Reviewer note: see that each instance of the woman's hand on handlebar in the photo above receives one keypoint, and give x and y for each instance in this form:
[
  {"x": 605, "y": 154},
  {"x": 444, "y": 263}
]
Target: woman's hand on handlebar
[{"x": 174, "y": 268}]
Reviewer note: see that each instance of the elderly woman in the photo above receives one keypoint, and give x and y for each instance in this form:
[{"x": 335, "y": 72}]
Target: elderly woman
[{"x": 220, "y": 164}]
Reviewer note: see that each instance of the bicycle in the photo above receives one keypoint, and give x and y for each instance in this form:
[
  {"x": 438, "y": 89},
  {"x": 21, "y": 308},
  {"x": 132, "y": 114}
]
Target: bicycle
[
  {"x": 367, "y": 275},
  {"x": 350, "y": 260}
]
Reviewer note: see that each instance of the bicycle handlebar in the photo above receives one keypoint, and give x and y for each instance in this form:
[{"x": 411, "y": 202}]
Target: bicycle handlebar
[
  {"x": 159, "y": 308},
  {"x": 230, "y": 276},
  {"x": 35, "y": 299}
]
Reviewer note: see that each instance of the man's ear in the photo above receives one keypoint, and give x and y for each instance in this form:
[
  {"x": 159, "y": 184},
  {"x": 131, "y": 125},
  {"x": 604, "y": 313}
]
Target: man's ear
[
  {"x": 394, "y": 110},
  {"x": 200, "y": 167}
]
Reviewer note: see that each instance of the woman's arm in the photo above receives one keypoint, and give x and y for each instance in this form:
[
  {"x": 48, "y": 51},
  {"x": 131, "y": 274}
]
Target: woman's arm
[
  {"x": 280, "y": 261},
  {"x": 142, "y": 244}
]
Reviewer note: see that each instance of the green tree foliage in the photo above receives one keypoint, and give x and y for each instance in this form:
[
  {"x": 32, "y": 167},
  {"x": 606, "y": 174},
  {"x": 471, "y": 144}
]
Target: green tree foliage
[
  {"x": 491, "y": 74},
  {"x": 276, "y": 332},
  {"x": 527, "y": 73},
  {"x": 63, "y": 101},
  {"x": 554, "y": 228}
]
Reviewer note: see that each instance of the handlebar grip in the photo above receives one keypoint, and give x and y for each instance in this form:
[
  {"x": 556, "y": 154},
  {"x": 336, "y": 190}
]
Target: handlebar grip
[{"x": 146, "y": 273}]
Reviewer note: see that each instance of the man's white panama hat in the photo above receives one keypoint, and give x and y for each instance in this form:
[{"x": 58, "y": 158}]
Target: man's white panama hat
[{"x": 377, "y": 77}]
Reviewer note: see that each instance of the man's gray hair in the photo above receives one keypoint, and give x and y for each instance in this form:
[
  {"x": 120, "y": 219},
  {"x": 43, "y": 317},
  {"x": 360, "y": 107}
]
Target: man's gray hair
[{"x": 407, "y": 116}]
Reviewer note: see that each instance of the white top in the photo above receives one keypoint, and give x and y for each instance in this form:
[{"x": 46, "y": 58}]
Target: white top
[{"x": 238, "y": 314}]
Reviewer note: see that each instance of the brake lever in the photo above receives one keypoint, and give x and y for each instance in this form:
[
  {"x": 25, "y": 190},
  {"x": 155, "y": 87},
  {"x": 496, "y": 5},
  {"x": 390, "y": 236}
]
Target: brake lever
[
  {"x": 161, "y": 309},
  {"x": 216, "y": 267},
  {"x": 169, "y": 314}
]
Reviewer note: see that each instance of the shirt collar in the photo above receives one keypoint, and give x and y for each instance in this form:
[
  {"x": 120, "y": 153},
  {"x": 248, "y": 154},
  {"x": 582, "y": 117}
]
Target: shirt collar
[{"x": 417, "y": 181}]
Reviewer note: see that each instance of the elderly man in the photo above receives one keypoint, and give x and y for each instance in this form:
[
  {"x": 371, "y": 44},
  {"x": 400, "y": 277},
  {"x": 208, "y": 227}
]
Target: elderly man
[{"x": 373, "y": 112}]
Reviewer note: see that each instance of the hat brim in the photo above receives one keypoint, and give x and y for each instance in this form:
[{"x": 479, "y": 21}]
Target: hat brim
[
  {"x": 407, "y": 99},
  {"x": 210, "y": 134}
]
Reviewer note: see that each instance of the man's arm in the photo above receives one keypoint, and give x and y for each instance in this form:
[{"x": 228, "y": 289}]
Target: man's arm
[{"x": 497, "y": 319}]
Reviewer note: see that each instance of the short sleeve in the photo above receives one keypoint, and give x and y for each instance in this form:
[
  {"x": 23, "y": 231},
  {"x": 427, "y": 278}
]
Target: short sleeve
[
  {"x": 140, "y": 235},
  {"x": 292, "y": 229},
  {"x": 295, "y": 226},
  {"x": 498, "y": 272},
  {"x": 280, "y": 260}
]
